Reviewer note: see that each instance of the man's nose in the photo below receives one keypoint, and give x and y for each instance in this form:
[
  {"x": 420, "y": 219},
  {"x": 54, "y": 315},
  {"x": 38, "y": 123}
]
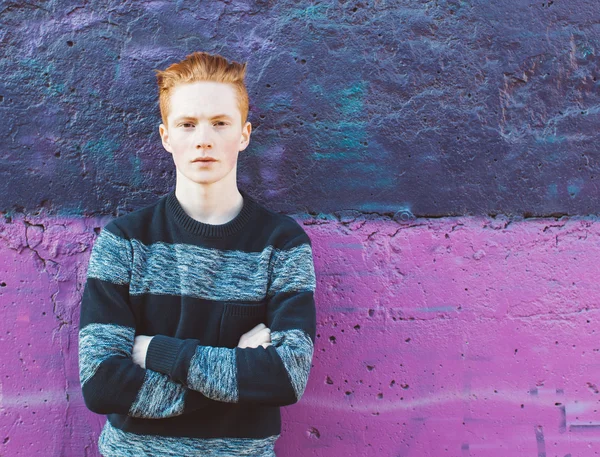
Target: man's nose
[{"x": 202, "y": 139}]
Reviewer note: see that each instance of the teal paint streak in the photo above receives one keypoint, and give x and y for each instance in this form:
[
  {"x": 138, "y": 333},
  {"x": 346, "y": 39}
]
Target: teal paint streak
[
  {"x": 101, "y": 148},
  {"x": 385, "y": 207},
  {"x": 573, "y": 190},
  {"x": 574, "y": 187},
  {"x": 56, "y": 90},
  {"x": 40, "y": 75},
  {"x": 312, "y": 12},
  {"x": 351, "y": 99},
  {"x": 550, "y": 139},
  {"x": 552, "y": 191},
  {"x": 278, "y": 103},
  {"x": 345, "y": 132},
  {"x": 585, "y": 51},
  {"x": 136, "y": 167}
]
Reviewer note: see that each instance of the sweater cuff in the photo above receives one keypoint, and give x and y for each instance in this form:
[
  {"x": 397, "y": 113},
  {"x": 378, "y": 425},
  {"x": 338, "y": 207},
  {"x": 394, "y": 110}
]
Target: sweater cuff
[{"x": 162, "y": 352}]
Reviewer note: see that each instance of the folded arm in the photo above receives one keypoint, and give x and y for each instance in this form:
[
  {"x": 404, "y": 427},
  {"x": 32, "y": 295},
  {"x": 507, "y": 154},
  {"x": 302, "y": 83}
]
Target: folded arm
[
  {"x": 275, "y": 375},
  {"x": 110, "y": 381}
]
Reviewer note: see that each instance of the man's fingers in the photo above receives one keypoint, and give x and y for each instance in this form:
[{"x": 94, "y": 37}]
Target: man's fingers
[
  {"x": 263, "y": 336},
  {"x": 255, "y": 337},
  {"x": 255, "y": 330}
]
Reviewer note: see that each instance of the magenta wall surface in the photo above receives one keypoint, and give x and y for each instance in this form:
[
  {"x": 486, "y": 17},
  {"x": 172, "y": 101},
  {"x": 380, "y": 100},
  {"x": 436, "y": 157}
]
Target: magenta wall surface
[{"x": 468, "y": 336}]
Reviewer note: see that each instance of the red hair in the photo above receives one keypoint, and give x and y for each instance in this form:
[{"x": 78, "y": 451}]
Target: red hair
[{"x": 201, "y": 66}]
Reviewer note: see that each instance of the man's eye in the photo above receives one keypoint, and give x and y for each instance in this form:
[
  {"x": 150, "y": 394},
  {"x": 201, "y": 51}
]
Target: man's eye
[
  {"x": 187, "y": 124},
  {"x": 220, "y": 123}
]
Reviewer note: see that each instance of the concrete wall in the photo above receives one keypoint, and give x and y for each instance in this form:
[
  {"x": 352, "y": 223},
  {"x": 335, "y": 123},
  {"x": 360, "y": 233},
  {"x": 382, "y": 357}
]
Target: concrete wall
[
  {"x": 446, "y": 107},
  {"x": 414, "y": 141},
  {"x": 458, "y": 336}
]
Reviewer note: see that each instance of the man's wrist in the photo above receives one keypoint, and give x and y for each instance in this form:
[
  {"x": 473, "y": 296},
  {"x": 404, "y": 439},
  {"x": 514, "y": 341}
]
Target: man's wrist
[{"x": 162, "y": 353}]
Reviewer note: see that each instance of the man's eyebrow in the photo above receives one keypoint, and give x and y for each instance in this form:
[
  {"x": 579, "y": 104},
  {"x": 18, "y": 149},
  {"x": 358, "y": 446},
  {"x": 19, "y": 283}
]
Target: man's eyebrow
[{"x": 193, "y": 118}]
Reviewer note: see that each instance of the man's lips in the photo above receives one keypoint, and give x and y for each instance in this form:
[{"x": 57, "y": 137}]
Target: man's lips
[{"x": 205, "y": 159}]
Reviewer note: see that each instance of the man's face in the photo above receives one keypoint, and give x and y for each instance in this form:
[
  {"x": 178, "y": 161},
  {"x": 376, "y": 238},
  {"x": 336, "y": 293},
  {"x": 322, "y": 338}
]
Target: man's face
[{"x": 204, "y": 122}]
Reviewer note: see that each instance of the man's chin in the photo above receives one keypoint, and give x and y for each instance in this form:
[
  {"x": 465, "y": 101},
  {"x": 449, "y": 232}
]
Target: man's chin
[{"x": 203, "y": 179}]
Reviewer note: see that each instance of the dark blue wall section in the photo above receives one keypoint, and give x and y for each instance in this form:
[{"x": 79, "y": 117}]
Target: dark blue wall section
[{"x": 438, "y": 107}]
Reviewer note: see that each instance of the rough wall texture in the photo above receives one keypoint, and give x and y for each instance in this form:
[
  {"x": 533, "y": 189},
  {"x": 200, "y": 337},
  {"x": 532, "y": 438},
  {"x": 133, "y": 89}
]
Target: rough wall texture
[
  {"x": 444, "y": 107},
  {"x": 459, "y": 336}
]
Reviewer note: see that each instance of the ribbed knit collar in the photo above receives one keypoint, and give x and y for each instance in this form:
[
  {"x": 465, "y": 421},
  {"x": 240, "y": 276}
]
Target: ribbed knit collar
[{"x": 210, "y": 230}]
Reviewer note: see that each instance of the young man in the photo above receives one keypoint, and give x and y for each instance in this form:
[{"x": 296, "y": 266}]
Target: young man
[{"x": 198, "y": 316}]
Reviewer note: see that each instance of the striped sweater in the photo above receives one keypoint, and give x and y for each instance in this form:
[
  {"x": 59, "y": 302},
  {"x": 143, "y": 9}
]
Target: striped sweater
[{"x": 196, "y": 288}]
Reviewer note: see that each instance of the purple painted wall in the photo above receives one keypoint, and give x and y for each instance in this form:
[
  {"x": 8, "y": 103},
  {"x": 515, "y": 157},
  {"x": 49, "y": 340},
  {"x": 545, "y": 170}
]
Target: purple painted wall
[
  {"x": 445, "y": 107},
  {"x": 438, "y": 336},
  {"x": 467, "y": 336}
]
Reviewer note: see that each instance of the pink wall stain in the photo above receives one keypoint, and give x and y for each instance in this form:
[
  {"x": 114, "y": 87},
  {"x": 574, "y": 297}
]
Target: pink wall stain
[{"x": 464, "y": 336}]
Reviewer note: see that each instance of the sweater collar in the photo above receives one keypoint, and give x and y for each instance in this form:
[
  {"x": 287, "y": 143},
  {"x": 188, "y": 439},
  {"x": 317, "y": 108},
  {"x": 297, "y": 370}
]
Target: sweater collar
[{"x": 210, "y": 230}]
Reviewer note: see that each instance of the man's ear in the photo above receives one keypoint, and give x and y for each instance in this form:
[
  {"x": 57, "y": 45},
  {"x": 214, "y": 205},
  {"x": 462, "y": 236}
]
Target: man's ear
[
  {"x": 245, "y": 138},
  {"x": 164, "y": 135}
]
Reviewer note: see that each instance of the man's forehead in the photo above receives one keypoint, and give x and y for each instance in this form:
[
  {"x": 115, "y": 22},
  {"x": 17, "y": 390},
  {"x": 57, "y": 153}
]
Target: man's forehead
[
  {"x": 206, "y": 90},
  {"x": 203, "y": 99}
]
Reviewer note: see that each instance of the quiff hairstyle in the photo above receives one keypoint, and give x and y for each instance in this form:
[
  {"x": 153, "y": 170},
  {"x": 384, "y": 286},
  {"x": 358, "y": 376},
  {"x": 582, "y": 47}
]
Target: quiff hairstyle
[{"x": 201, "y": 66}]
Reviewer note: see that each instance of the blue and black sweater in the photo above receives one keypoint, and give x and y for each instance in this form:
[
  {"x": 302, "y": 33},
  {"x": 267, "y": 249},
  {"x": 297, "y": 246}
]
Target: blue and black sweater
[{"x": 198, "y": 288}]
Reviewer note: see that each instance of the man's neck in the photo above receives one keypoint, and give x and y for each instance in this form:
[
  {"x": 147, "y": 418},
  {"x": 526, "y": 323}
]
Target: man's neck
[{"x": 214, "y": 204}]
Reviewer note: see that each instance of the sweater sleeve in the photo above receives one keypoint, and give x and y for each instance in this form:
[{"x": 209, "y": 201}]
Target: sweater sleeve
[
  {"x": 276, "y": 375},
  {"x": 110, "y": 381}
]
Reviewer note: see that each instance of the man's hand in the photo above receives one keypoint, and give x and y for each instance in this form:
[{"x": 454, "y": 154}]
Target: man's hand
[
  {"x": 140, "y": 348},
  {"x": 258, "y": 336}
]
